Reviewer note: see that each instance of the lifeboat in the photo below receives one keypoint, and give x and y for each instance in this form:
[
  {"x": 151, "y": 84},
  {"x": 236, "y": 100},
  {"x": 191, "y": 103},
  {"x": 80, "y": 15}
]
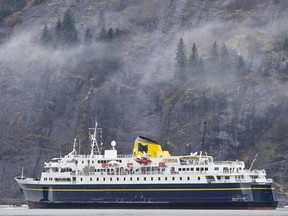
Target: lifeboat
[{"x": 143, "y": 160}]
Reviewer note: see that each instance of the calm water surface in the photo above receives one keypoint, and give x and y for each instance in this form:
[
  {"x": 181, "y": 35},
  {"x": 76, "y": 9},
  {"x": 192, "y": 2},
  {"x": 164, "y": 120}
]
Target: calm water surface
[{"x": 127, "y": 212}]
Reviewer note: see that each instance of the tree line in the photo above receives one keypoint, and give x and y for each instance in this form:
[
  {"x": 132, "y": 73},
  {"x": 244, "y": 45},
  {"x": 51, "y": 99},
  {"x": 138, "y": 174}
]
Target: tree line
[
  {"x": 191, "y": 64},
  {"x": 65, "y": 34}
]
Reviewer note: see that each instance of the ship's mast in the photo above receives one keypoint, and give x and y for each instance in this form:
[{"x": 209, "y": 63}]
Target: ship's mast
[{"x": 93, "y": 137}]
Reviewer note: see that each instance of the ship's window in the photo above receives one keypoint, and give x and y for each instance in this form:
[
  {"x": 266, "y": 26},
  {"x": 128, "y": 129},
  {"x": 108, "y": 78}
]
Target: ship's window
[
  {"x": 97, "y": 179},
  {"x": 130, "y": 178},
  {"x": 117, "y": 179},
  {"x": 218, "y": 177},
  {"x": 137, "y": 178},
  {"x": 110, "y": 179},
  {"x": 144, "y": 178},
  {"x": 216, "y": 168},
  {"x": 198, "y": 178},
  {"x": 80, "y": 179},
  {"x": 165, "y": 178},
  {"x": 90, "y": 179},
  {"x": 159, "y": 178},
  {"x": 124, "y": 179},
  {"x": 179, "y": 169},
  {"x": 184, "y": 169},
  {"x": 180, "y": 178},
  {"x": 93, "y": 161},
  {"x": 173, "y": 178},
  {"x": 202, "y": 168},
  {"x": 188, "y": 178},
  {"x": 151, "y": 178},
  {"x": 82, "y": 162},
  {"x": 206, "y": 168},
  {"x": 88, "y": 161},
  {"x": 192, "y": 169},
  {"x": 227, "y": 177},
  {"x": 197, "y": 169},
  {"x": 103, "y": 179}
]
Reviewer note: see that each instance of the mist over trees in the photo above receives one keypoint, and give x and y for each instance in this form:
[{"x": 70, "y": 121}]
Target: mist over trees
[
  {"x": 64, "y": 33},
  {"x": 219, "y": 62}
]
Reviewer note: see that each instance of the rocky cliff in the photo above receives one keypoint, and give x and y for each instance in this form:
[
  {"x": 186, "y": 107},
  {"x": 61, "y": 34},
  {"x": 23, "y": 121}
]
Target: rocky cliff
[{"x": 50, "y": 96}]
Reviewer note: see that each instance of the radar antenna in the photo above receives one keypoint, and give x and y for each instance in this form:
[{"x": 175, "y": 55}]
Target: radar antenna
[
  {"x": 93, "y": 137},
  {"x": 203, "y": 138}
]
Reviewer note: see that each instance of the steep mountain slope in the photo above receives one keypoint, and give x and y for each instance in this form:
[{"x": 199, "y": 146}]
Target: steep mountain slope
[{"x": 51, "y": 95}]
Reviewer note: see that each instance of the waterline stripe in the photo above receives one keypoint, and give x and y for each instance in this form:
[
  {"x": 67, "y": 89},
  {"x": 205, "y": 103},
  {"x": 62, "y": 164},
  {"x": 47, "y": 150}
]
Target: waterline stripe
[{"x": 143, "y": 189}]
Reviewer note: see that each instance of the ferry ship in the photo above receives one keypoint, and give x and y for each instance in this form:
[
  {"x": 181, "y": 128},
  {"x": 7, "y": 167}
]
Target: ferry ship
[{"x": 148, "y": 178}]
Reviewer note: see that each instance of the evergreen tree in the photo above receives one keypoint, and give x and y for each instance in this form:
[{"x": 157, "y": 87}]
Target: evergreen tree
[
  {"x": 224, "y": 53},
  {"x": 285, "y": 45},
  {"x": 194, "y": 57},
  {"x": 46, "y": 37},
  {"x": 110, "y": 34},
  {"x": 214, "y": 53},
  {"x": 69, "y": 29},
  {"x": 241, "y": 66},
  {"x": 117, "y": 32},
  {"x": 181, "y": 61},
  {"x": 58, "y": 33},
  {"x": 88, "y": 36},
  {"x": 225, "y": 63},
  {"x": 103, "y": 33}
]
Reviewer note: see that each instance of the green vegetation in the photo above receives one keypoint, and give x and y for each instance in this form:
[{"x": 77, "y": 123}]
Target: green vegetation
[
  {"x": 65, "y": 33},
  {"x": 181, "y": 60},
  {"x": 219, "y": 62}
]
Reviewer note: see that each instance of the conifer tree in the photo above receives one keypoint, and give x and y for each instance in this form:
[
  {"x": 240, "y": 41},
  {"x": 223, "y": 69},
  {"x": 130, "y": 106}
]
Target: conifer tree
[
  {"x": 181, "y": 61},
  {"x": 214, "y": 53},
  {"x": 181, "y": 58},
  {"x": 46, "y": 37},
  {"x": 225, "y": 63},
  {"x": 110, "y": 34},
  {"x": 103, "y": 33},
  {"x": 58, "y": 33},
  {"x": 69, "y": 29},
  {"x": 88, "y": 36},
  {"x": 241, "y": 66},
  {"x": 224, "y": 53},
  {"x": 194, "y": 57},
  {"x": 117, "y": 32},
  {"x": 285, "y": 45}
]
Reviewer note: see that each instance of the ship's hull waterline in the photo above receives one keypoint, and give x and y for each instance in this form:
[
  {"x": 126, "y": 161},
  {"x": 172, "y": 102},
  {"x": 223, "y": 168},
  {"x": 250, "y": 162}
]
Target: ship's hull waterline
[{"x": 158, "y": 196}]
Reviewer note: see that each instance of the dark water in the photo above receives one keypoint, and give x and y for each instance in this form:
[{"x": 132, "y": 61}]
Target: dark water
[{"x": 24, "y": 211}]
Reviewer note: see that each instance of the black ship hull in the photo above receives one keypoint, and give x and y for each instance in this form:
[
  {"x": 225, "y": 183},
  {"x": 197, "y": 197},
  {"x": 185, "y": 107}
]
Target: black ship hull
[{"x": 156, "y": 196}]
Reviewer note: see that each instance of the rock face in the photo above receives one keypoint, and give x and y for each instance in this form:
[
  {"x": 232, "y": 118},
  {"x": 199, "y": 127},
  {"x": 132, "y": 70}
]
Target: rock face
[{"x": 50, "y": 96}]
